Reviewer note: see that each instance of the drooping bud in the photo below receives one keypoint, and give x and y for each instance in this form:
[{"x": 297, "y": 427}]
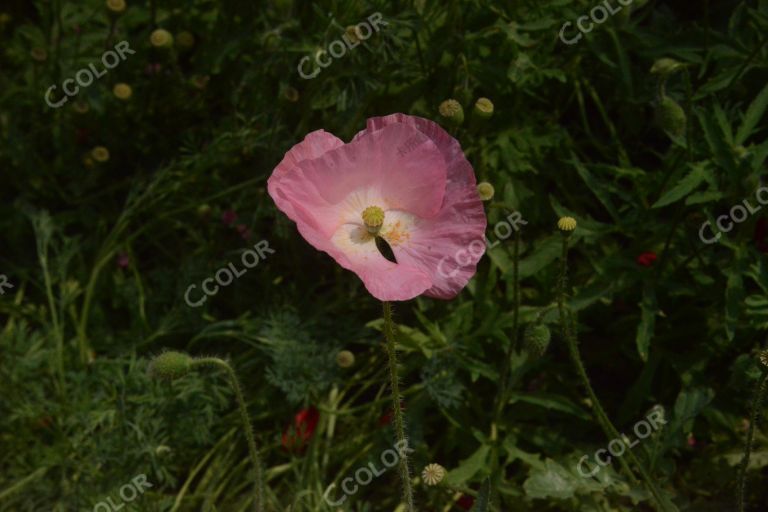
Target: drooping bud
[
  {"x": 345, "y": 359},
  {"x": 671, "y": 117},
  {"x": 536, "y": 339},
  {"x": 483, "y": 109},
  {"x": 451, "y": 112},
  {"x": 373, "y": 218},
  {"x": 170, "y": 365},
  {"x": 433, "y": 474},
  {"x": 566, "y": 224},
  {"x": 204, "y": 211},
  {"x": 485, "y": 190},
  {"x": 666, "y": 67}
]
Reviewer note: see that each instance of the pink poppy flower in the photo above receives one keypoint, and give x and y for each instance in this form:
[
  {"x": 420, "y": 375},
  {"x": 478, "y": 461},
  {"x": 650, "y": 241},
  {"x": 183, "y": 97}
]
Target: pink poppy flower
[{"x": 419, "y": 194}]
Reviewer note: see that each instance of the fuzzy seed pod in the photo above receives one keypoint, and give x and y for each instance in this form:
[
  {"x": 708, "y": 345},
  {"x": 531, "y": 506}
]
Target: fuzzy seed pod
[
  {"x": 116, "y": 6},
  {"x": 100, "y": 154},
  {"x": 345, "y": 359},
  {"x": 536, "y": 339},
  {"x": 483, "y": 109},
  {"x": 451, "y": 112},
  {"x": 170, "y": 365},
  {"x": 122, "y": 91},
  {"x": 161, "y": 38},
  {"x": 671, "y": 117},
  {"x": 566, "y": 224},
  {"x": 433, "y": 474}
]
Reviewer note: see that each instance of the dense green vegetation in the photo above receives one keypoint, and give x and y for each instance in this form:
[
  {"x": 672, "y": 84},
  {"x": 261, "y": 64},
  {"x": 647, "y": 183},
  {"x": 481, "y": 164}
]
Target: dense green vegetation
[{"x": 151, "y": 177}]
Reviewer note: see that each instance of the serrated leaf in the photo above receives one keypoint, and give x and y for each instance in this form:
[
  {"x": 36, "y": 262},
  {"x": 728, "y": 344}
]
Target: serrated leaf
[
  {"x": 647, "y": 326},
  {"x": 683, "y": 187},
  {"x": 554, "y": 481},
  {"x": 469, "y": 467},
  {"x": 754, "y": 113}
]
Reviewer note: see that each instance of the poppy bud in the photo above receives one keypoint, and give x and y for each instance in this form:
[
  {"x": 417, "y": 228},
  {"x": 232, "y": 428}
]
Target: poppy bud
[
  {"x": 170, "y": 365},
  {"x": 116, "y": 6},
  {"x": 666, "y": 67},
  {"x": 671, "y": 117},
  {"x": 122, "y": 91},
  {"x": 536, "y": 339}
]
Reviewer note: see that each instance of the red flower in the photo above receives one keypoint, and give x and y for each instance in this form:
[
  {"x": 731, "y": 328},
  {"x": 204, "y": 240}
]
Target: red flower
[
  {"x": 646, "y": 259},
  {"x": 229, "y": 217},
  {"x": 123, "y": 260},
  {"x": 466, "y": 502},
  {"x": 304, "y": 423}
]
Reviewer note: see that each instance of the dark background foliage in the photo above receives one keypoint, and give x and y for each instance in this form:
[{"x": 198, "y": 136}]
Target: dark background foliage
[{"x": 100, "y": 254}]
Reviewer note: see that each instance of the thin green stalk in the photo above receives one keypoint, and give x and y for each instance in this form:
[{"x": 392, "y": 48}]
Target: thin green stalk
[
  {"x": 258, "y": 487},
  {"x": 756, "y": 401},
  {"x": 602, "y": 417},
  {"x": 397, "y": 411}
]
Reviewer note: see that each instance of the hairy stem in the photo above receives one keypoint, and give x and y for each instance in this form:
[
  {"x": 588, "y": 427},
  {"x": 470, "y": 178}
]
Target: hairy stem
[
  {"x": 258, "y": 485},
  {"x": 602, "y": 417},
  {"x": 397, "y": 411},
  {"x": 756, "y": 401}
]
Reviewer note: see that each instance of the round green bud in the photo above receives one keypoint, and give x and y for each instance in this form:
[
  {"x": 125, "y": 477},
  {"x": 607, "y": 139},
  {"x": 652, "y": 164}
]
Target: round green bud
[
  {"x": 204, "y": 211},
  {"x": 671, "y": 117},
  {"x": 170, "y": 365},
  {"x": 345, "y": 359},
  {"x": 485, "y": 190},
  {"x": 536, "y": 339},
  {"x": 666, "y": 67}
]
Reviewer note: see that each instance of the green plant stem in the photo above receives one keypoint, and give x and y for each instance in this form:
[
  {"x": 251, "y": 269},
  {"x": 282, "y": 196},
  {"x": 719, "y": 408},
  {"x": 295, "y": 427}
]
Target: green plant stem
[
  {"x": 602, "y": 417},
  {"x": 258, "y": 487},
  {"x": 756, "y": 401},
  {"x": 397, "y": 411}
]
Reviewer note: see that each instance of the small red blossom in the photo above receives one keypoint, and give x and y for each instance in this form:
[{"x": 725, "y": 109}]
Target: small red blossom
[
  {"x": 245, "y": 233},
  {"x": 123, "y": 260},
  {"x": 229, "y": 217},
  {"x": 297, "y": 435},
  {"x": 466, "y": 502},
  {"x": 646, "y": 259}
]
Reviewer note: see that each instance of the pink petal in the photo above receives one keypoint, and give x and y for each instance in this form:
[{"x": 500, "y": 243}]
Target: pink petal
[
  {"x": 460, "y": 172},
  {"x": 448, "y": 247}
]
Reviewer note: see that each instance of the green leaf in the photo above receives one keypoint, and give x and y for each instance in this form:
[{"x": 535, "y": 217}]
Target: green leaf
[
  {"x": 552, "y": 402},
  {"x": 483, "y": 501},
  {"x": 645, "y": 329},
  {"x": 469, "y": 467},
  {"x": 754, "y": 113},
  {"x": 554, "y": 481},
  {"x": 684, "y": 187}
]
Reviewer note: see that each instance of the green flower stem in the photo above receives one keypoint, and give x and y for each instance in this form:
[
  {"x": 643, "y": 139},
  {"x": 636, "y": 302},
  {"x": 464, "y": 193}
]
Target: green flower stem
[
  {"x": 397, "y": 411},
  {"x": 756, "y": 401},
  {"x": 258, "y": 487},
  {"x": 602, "y": 417}
]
